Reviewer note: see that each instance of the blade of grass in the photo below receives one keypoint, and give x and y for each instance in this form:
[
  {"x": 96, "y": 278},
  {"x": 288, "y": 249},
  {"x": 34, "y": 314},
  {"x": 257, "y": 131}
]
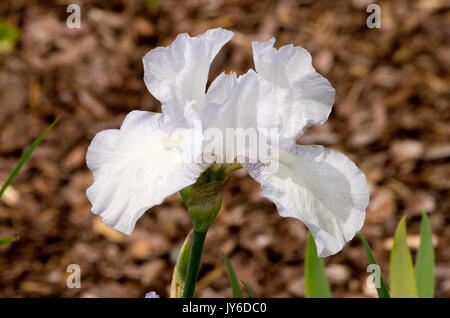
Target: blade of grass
[
  {"x": 26, "y": 156},
  {"x": 248, "y": 289},
  {"x": 236, "y": 289},
  {"x": 316, "y": 282},
  {"x": 424, "y": 268},
  {"x": 382, "y": 290},
  {"x": 402, "y": 278},
  {"x": 7, "y": 240}
]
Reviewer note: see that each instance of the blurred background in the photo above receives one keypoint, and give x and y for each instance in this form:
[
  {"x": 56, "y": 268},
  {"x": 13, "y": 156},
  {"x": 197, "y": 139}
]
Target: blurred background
[{"x": 391, "y": 116}]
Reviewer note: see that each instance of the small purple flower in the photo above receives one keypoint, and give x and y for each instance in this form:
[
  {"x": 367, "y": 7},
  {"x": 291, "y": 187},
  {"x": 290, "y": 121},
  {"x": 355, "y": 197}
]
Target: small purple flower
[{"x": 151, "y": 294}]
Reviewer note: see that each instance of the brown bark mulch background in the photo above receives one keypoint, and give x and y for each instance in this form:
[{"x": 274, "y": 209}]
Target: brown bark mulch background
[{"x": 391, "y": 116}]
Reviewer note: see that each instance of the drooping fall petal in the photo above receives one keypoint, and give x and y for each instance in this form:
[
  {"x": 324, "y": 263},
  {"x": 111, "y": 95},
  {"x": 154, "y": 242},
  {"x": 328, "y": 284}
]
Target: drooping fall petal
[
  {"x": 321, "y": 187},
  {"x": 136, "y": 167}
]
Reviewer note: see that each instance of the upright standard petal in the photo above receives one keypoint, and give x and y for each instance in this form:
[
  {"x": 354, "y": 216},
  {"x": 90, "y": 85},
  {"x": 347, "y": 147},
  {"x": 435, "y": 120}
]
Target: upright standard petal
[
  {"x": 177, "y": 74},
  {"x": 321, "y": 187},
  {"x": 136, "y": 167},
  {"x": 304, "y": 97},
  {"x": 239, "y": 109}
]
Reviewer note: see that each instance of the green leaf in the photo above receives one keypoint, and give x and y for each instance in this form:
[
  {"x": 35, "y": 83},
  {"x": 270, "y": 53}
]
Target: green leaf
[
  {"x": 249, "y": 290},
  {"x": 9, "y": 34},
  {"x": 316, "y": 283},
  {"x": 425, "y": 261},
  {"x": 236, "y": 289},
  {"x": 26, "y": 156},
  {"x": 382, "y": 290},
  {"x": 402, "y": 278},
  {"x": 153, "y": 6},
  {"x": 7, "y": 240}
]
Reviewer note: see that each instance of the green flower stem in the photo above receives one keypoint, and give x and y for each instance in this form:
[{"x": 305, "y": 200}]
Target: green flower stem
[
  {"x": 203, "y": 200},
  {"x": 194, "y": 264}
]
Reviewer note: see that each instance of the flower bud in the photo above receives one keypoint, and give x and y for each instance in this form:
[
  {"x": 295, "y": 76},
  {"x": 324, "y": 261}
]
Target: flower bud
[
  {"x": 179, "y": 273},
  {"x": 203, "y": 199},
  {"x": 152, "y": 294}
]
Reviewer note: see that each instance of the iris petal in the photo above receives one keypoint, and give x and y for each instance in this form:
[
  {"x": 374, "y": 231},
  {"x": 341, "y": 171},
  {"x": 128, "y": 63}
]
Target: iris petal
[
  {"x": 136, "y": 167},
  {"x": 304, "y": 97},
  {"x": 177, "y": 74},
  {"x": 321, "y": 187},
  {"x": 242, "y": 106}
]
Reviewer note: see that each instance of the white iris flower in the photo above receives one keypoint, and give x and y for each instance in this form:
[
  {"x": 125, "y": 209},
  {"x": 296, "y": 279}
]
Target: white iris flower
[{"x": 155, "y": 155}]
